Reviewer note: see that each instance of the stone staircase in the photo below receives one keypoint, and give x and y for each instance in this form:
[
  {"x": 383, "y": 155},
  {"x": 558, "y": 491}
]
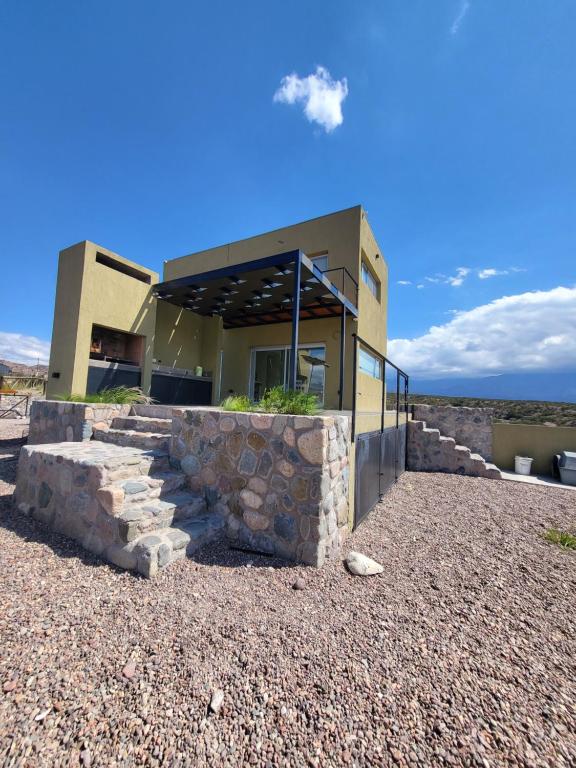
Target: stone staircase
[
  {"x": 137, "y": 432},
  {"x": 135, "y": 509},
  {"x": 430, "y": 451}
]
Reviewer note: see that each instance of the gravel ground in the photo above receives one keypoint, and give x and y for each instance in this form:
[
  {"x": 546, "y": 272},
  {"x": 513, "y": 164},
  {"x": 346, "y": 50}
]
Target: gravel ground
[{"x": 461, "y": 653}]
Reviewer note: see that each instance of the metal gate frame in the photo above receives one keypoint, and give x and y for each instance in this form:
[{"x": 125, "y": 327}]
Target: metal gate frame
[{"x": 375, "y": 472}]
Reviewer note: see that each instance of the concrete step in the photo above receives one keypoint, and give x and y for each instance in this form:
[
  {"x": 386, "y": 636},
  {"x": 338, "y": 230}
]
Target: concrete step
[
  {"x": 143, "y": 424},
  {"x": 145, "y": 440}
]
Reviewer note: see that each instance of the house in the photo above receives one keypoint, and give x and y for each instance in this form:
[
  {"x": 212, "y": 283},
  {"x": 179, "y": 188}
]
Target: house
[
  {"x": 229, "y": 319},
  {"x": 5, "y": 370}
]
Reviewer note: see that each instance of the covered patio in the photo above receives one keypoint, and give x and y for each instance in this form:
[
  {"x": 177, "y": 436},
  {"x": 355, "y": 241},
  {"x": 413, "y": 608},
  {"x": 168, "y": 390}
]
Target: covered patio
[{"x": 284, "y": 288}]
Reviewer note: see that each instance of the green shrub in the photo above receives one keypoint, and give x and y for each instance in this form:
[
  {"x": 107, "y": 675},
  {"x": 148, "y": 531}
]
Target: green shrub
[
  {"x": 121, "y": 395},
  {"x": 563, "y": 539},
  {"x": 237, "y": 403},
  {"x": 277, "y": 400}
]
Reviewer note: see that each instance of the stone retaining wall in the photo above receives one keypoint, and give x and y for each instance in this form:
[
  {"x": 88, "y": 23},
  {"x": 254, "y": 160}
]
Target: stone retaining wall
[
  {"x": 54, "y": 421},
  {"x": 65, "y": 488},
  {"x": 471, "y": 427},
  {"x": 281, "y": 482}
]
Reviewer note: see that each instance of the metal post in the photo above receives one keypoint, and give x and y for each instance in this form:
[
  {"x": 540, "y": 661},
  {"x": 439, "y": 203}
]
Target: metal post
[
  {"x": 382, "y": 420},
  {"x": 342, "y": 355},
  {"x": 295, "y": 322},
  {"x": 397, "y": 421},
  {"x": 354, "y": 377}
]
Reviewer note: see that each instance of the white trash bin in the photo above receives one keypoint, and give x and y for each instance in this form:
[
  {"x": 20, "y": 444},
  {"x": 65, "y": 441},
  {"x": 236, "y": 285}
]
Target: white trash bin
[{"x": 522, "y": 465}]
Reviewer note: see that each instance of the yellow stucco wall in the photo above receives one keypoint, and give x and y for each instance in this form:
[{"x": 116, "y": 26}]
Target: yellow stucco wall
[
  {"x": 338, "y": 233},
  {"x": 239, "y": 342},
  {"x": 345, "y": 237},
  {"x": 372, "y": 319},
  {"x": 533, "y": 440},
  {"x": 89, "y": 293}
]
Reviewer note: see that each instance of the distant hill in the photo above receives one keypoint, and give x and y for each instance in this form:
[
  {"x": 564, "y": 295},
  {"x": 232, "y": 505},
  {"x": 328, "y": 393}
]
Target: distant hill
[
  {"x": 548, "y": 387},
  {"x": 515, "y": 411},
  {"x": 21, "y": 369}
]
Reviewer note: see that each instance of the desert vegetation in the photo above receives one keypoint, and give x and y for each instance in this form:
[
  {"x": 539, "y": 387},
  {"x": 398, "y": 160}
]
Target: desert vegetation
[{"x": 516, "y": 411}]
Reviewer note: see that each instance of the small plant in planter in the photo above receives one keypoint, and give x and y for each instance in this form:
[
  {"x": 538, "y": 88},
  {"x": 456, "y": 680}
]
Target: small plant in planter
[
  {"x": 237, "y": 403},
  {"x": 119, "y": 395},
  {"x": 275, "y": 400},
  {"x": 278, "y": 400}
]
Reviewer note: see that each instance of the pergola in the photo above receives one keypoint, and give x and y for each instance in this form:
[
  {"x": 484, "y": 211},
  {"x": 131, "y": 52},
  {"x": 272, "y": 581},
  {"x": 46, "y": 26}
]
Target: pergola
[{"x": 283, "y": 288}]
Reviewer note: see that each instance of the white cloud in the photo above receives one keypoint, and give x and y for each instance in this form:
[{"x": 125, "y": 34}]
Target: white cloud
[
  {"x": 528, "y": 332},
  {"x": 404, "y": 282},
  {"x": 458, "y": 278},
  {"x": 23, "y": 349},
  {"x": 484, "y": 274},
  {"x": 321, "y": 96},
  {"x": 460, "y": 16}
]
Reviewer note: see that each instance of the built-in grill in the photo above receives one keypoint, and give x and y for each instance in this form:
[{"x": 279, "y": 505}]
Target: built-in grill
[{"x": 567, "y": 467}]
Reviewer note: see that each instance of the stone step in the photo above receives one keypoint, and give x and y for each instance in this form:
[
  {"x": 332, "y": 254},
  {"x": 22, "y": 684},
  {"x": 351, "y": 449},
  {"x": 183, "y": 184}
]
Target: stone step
[
  {"x": 157, "y": 514},
  {"x": 430, "y": 451},
  {"x": 152, "y": 550},
  {"x": 137, "y": 489},
  {"x": 201, "y": 530},
  {"x": 154, "y": 411},
  {"x": 143, "y": 424},
  {"x": 492, "y": 471},
  {"x": 145, "y": 440}
]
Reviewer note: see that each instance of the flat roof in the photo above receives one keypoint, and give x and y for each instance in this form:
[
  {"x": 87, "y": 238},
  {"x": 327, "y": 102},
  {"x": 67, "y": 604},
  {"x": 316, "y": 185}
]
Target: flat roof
[{"x": 258, "y": 292}]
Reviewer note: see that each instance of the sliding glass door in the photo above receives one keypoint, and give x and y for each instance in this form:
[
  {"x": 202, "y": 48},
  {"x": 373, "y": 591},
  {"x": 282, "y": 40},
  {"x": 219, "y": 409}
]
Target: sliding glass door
[{"x": 271, "y": 368}]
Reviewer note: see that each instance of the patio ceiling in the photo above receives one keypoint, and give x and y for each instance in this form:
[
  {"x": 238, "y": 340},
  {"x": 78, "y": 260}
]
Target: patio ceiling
[{"x": 258, "y": 292}]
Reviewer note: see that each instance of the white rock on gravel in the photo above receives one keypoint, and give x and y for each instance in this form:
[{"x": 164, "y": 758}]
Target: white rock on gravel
[
  {"x": 361, "y": 565},
  {"x": 216, "y": 701}
]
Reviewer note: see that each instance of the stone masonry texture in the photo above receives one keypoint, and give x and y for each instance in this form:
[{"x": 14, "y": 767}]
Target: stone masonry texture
[
  {"x": 430, "y": 451},
  {"x": 280, "y": 482},
  {"x": 471, "y": 427},
  {"x": 54, "y": 421}
]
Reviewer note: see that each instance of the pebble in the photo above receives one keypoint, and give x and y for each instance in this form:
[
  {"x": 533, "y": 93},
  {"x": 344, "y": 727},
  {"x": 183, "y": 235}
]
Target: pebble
[
  {"x": 129, "y": 670},
  {"x": 475, "y": 674},
  {"x": 299, "y": 584},
  {"x": 216, "y": 701}
]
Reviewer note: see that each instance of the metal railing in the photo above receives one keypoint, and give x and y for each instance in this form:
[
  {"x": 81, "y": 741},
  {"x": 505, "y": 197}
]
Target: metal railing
[{"x": 344, "y": 281}]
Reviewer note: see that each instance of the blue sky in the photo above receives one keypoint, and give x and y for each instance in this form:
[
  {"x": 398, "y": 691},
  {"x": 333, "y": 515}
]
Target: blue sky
[{"x": 152, "y": 129}]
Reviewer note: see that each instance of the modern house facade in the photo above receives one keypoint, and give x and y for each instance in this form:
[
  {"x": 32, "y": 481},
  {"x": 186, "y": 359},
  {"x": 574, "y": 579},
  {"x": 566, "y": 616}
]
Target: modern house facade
[{"x": 223, "y": 320}]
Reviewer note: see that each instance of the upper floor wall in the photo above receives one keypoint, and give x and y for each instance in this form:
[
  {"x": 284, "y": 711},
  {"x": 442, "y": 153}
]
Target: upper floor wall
[{"x": 335, "y": 236}]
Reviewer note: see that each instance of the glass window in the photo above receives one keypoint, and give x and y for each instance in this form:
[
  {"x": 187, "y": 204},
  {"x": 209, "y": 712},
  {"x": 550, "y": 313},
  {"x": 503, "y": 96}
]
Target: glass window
[
  {"x": 369, "y": 279},
  {"x": 271, "y": 368},
  {"x": 370, "y": 364},
  {"x": 320, "y": 261}
]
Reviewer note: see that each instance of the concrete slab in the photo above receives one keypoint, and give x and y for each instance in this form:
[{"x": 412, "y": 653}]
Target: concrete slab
[{"x": 536, "y": 480}]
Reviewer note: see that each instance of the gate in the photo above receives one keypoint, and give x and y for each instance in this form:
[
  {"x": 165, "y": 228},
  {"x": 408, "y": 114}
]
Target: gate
[{"x": 380, "y": 454}]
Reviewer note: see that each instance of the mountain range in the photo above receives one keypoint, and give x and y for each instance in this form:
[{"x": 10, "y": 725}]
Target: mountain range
[{"x": 550, "y": 387}]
